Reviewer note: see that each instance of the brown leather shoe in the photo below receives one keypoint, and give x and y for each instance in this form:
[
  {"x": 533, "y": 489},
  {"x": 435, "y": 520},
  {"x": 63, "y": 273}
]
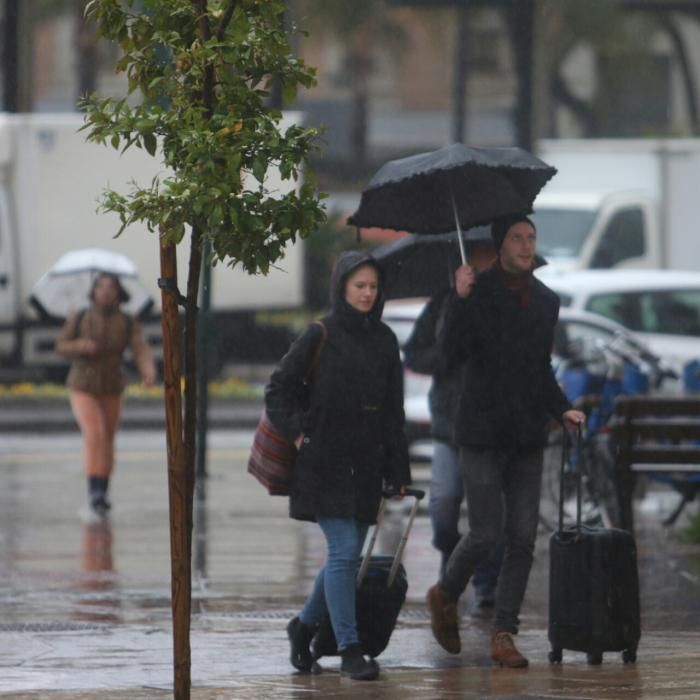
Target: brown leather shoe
[
  {"x": 504, "y": 651},
  {"x": 443, "y": 620}
]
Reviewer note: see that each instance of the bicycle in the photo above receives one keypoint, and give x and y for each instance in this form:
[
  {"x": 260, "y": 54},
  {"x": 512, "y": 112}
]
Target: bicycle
[{"x": 592, "y": 377}]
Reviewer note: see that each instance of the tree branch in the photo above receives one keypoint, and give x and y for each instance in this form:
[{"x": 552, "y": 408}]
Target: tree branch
[
  {"x": 581, "y": 109},
  {"x": 225, "y": 20},
  {"x": 205, "y": 34}
]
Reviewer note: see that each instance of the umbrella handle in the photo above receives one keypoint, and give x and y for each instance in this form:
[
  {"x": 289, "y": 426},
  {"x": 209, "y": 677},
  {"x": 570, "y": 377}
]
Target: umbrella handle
[{"x": 459, "y": 229}]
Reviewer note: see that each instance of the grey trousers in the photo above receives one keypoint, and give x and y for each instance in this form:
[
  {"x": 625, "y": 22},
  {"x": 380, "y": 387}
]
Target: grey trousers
[{"x": 495, "y": 480}]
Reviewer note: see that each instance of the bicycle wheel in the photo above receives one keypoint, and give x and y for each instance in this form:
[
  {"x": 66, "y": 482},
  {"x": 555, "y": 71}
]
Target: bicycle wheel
[
  {"x": 591, "y": 512},
  {"x": 600, "y": 467},
  {"x": 550, "y": 493}
]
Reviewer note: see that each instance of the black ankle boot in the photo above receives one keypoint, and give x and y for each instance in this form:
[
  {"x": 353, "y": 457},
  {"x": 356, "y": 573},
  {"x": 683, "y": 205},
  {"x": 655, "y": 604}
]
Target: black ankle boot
[
  {"x": 354, "y": 665},
  {"x": 97, "y": 494},
  {"x": 300, "y": 636}
]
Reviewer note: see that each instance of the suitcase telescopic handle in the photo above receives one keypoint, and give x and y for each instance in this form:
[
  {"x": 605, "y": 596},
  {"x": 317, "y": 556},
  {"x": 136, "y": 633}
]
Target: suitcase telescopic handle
[
  {"x": 388, "y": 494},
  {"x": 579, "y": 453}
]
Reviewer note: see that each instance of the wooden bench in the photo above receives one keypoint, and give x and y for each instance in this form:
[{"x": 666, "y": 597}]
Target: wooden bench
[{"x": 659, "y": 435}]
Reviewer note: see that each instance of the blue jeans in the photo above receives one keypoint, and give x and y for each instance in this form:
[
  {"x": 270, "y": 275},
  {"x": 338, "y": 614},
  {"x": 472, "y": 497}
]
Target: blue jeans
[
  {"x": 446, "y": 493},
  {"x": 334, "y": 589},
  {"x": 494, "y": 481}
]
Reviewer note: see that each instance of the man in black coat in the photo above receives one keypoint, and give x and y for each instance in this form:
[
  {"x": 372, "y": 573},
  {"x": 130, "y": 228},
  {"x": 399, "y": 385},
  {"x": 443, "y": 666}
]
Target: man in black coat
[{"x": 500, "y": 326}]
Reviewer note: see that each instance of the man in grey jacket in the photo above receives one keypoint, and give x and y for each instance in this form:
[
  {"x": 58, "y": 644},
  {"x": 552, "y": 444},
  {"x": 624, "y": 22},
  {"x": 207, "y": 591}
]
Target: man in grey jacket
[{"x": 422, "y": 354}]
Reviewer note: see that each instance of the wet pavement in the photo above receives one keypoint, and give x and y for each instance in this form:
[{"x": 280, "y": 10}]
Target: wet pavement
[{"x": 85, "y": 607}]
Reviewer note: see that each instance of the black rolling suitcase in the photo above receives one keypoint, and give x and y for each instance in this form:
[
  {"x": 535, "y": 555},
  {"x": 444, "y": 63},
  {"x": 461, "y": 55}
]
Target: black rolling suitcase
[
  {"x": 593, "y": 589},
  {"x": 381, "y": 591}
]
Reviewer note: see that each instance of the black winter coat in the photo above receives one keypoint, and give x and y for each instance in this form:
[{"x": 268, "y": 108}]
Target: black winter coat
[
  {"x": 423, "y": 354},
  {"x": 509, "y": 389},
  {"x": 351, "y": 414}
]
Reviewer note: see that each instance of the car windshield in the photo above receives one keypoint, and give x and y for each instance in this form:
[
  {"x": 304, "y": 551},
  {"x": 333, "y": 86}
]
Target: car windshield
[
  {"x": 669, "y": 312},
  {"x": 562, "y": 232}
]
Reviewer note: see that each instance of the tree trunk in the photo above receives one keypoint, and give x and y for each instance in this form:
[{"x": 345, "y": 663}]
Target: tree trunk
[
  {"x": 522, "y": 27},
  {"x": 178, "y": 481},
  {"x": 360, "y": 66},
  {"x": 16, "y": 43},
  {"x": 190, "y": 427},
  {"x": 459, "y": 84},
  {"x": 684, "y": 62},
  {"x": 86, "y": 48}
]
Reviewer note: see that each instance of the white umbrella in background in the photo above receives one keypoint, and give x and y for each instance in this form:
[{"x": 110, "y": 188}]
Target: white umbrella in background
[{"x": 65, "y": 287}]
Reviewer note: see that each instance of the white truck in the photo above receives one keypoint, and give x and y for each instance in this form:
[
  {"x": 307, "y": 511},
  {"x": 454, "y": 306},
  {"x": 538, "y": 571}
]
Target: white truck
[
  {"x": 620, "y": 203},
  {"x": 50, "y": 183}
]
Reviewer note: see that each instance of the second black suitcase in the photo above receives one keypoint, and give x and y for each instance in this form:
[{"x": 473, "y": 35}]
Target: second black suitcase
[
  {"x": 381, "y": 591},
  {"x": 593, "y": 592}
]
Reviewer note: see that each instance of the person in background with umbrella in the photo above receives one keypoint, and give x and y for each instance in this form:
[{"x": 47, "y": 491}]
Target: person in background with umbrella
[
  {"x": 422, "y": 354},
  {"x": 95, "y": 340},
  {"x": 500, "y": 325}
]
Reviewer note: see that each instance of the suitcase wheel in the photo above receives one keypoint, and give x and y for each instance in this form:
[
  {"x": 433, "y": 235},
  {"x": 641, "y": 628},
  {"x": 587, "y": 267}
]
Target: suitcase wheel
[
  {"x": 595, "y": 658},
  {"x": 629, "y": 656},
  {"x": 554, "y": 656}
]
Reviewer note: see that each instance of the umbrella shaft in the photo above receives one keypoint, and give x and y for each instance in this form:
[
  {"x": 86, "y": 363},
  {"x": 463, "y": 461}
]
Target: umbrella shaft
[{"x": 459, "y": 230}]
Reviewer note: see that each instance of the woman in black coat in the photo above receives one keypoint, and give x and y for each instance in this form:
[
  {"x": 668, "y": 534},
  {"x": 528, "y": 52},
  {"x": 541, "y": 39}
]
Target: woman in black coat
[{"x": 348, "y": 426}]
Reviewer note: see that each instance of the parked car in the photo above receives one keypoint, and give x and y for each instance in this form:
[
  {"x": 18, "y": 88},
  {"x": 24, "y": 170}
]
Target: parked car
[
  {"x": 660, "y": 307},
  {"x": 577, "y": 330},
  {"x": 401, "y": 316}
]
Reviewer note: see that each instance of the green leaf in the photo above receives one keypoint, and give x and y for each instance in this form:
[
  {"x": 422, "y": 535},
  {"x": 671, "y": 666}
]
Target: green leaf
[
  {"x": 150, "y": 143},
  {"x": 289, "y": 92},
  {"x": 259, "y": 169}
]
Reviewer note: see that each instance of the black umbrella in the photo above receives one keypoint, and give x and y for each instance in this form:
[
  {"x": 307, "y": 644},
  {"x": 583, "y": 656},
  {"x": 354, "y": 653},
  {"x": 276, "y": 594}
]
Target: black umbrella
[
  {"x": 421, "y": 266},
  {"x": 453, "y": 187}
]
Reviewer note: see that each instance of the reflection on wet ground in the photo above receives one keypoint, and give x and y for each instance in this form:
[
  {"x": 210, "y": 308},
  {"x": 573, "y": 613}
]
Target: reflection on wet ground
[
  {"x": 98, "y": 577},
  {"x": 86, "y": 605}
]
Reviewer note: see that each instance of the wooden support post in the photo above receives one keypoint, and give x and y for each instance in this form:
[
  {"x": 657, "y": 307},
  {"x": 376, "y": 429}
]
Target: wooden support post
[{"x": 180, "y": 523}]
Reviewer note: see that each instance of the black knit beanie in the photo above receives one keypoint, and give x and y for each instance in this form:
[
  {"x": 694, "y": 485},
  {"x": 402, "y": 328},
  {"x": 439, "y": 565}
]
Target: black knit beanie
[{"x": 500, "y": 228}]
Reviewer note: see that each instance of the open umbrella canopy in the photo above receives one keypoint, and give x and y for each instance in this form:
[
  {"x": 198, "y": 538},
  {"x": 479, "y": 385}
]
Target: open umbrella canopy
[
  {"x": 454, "y": 187},
  {"x": 422, "y": 266},
  {"x": 65, "y": 287},
  {"x": 94, "y": 260}
]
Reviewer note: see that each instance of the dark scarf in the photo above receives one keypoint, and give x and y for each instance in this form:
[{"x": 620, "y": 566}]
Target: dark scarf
[{"x": 518, "y": 282}]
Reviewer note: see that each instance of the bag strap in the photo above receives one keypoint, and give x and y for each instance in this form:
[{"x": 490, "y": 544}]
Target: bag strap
[
  {"x": 317, "y": 354},
  {"x": 78, "y": 318},
  {"x": 129, "y": 324}
]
